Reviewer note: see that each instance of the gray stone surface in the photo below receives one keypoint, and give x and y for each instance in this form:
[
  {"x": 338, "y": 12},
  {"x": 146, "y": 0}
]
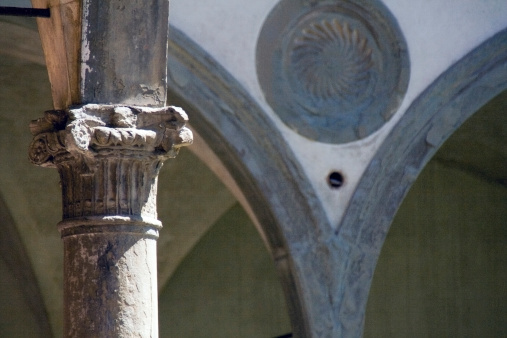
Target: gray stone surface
[
  {"x": 124, "y": 50},
  {"x": 329, "y": 306},
  {"x": 110, "y": 286}
]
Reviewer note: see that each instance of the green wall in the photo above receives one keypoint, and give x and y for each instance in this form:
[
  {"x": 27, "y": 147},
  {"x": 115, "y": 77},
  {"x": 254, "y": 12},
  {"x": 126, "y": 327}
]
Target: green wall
[
  {"x": 443, "y": 268},
  {"x": 226, "y": 287}
]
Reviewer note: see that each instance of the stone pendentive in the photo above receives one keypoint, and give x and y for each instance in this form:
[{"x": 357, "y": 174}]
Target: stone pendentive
[
  {"x": 109, "y": 157},
  {"x": 334, "y": 71}
]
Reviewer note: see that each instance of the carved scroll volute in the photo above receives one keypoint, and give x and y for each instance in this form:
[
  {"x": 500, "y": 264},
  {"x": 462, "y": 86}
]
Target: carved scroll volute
[{"x": 48, "y": 137}]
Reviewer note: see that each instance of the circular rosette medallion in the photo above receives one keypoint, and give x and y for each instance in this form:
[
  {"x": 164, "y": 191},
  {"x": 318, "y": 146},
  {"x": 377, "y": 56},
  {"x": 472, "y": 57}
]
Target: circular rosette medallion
[{"x": 334, "y": 71}]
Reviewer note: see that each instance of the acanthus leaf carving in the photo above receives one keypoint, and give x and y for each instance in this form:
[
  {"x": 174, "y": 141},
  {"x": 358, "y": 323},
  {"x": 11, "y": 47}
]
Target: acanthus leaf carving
[{"x": 93, "y": 128}]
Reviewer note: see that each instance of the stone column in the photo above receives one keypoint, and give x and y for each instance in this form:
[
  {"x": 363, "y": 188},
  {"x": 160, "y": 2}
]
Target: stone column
[
  {"x": 108, "y": 157},
  {"x": 108, "y": 135}
]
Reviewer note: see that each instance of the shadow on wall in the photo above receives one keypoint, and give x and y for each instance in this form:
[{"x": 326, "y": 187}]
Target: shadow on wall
[
  {"x": 442, "y": 269},
  {"x": 226, "y": 287},
  {"x": 22, "y": 309}
]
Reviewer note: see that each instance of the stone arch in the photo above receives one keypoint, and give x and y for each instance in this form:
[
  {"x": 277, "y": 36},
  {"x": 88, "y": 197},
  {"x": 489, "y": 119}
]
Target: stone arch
[
  {"x": 288, "y": 213},
  {"x": 430, "y": 120}
]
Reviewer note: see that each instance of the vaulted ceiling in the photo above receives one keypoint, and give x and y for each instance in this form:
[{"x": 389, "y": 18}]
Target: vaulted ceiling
[{"x": 192, "y": 197}]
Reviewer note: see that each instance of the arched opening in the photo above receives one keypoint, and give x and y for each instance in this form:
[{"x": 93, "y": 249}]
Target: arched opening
[
  {"x": 216, "y": 276},
  {"x": 442, "y": 268},
  {"x": 435, "y": 115},
  {"x": 25, "y": 94},
  {"x": 258, "y": 160},
  {"x": 226, "y": 286}
]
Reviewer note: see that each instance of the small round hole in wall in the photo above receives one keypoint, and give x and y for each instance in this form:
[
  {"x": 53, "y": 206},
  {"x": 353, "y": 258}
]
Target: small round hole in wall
[{"x": 335, "y": 180}]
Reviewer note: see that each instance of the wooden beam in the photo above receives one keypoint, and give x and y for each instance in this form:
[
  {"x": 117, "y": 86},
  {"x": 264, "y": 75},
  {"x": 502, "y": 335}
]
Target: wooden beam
[{"x": 61, "y": 42}]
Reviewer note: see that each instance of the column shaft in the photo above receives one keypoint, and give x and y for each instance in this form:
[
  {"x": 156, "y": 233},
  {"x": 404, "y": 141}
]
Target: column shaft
[{"x": 110, "y": 284}]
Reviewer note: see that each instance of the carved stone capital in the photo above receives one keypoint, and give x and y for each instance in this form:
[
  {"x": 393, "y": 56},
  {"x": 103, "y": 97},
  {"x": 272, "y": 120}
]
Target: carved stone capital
[
  {"x": 117, "y": 130},
  {"x": 109, "y": 157}
]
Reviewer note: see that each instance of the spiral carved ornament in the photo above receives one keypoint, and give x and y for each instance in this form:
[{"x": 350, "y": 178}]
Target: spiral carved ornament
[{"x": 334, "y": 71}]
